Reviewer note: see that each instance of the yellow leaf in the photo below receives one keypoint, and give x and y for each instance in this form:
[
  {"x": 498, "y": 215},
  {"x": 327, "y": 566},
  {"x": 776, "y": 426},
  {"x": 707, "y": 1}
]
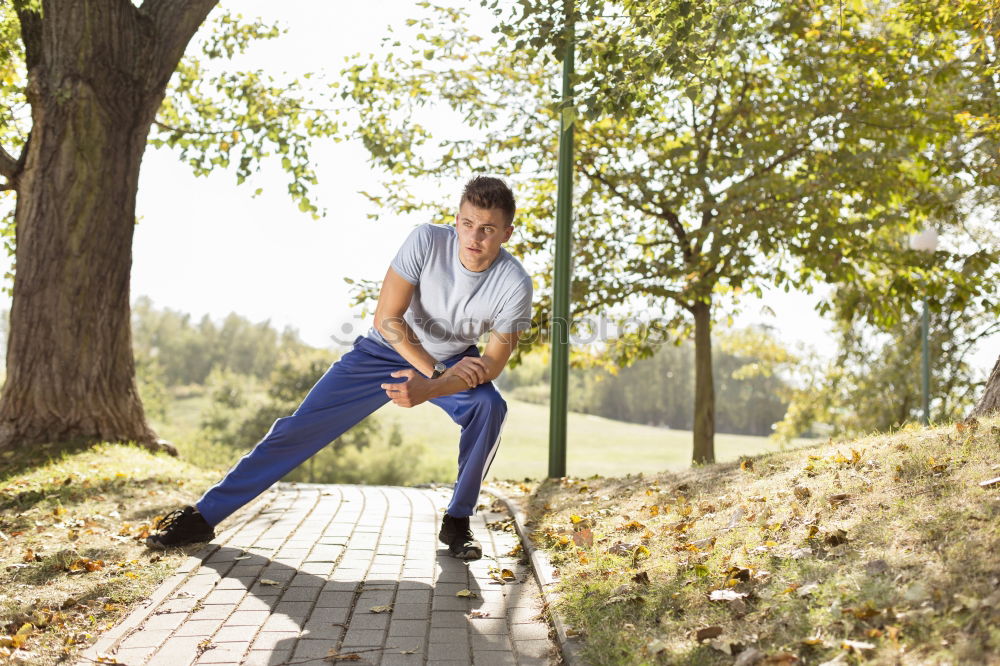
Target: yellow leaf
[
  {"x": 467, "y": 594},
  {"x": 575, "y": 519}
]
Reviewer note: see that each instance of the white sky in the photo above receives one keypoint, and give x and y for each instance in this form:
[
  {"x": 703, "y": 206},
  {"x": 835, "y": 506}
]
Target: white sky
[{"x": 205, "y": 246}]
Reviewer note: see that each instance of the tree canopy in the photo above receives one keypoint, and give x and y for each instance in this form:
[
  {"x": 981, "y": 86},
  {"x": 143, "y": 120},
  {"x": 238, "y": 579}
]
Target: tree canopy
[{"x": 722, "y": 149}]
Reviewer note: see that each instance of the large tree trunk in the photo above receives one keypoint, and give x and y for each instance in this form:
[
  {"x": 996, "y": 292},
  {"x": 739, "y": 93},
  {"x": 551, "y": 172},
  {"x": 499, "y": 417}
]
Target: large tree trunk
[
  {"x": 704, "y": 386},
  {"x": 97, "y": 72},
  {"x": 990, "y": 402}
]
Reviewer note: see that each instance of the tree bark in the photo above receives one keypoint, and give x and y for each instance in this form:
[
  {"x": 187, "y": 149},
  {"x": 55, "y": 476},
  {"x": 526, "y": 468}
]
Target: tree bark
[
  {"x": 704, "y": 386},
  {"x": 97, "y": 73},
  {"x": 990, "y": 402}
]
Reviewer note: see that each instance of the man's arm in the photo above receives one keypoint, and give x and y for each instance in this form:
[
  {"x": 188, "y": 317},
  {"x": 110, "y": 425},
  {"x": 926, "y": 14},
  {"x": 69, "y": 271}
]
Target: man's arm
[{"x": 393, "y": 299}]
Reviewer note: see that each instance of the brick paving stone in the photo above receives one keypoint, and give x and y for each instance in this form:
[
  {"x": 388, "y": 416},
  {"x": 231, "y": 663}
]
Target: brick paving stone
[
  {"x": 228, "y": 597},
  {"x": 335, "y": 600},
  {"x": 275, "y": 640},
  {"x": 132, "y": 655},
  {"x": 451, "y": 651},
  {"x": 398, "y": 627},
  {"x": 255, "y": 603},
  {"x": 147, "y": 639},
  {"x": 337, "y": 551},
  {"x": 490, "y": 642},
  {"x": 448, "y": 618},
  {"x": 214, "y": 612},
  {"x": 487, "y": 626},
  {"x": 169, "y": 621},
  {"x": 493, "y": 658},
  {"x": 181, "y": 650},
  {"x": 538, "y": 648},
  {"x": 244, "y": 618},
  {"x": 266, "y": 657},
  {"x": 224, "y": 653},
  {"x": 313, "y": 648},
  {"x": 533, "y": 631},
  {"x": 300, "y": 594},
  {"x": 369, "y": 621},
  {"x": 281, "y": 623},
  {"x": 198, "y": 628},
  {"x": 294, "y": 609},
  {"x": 363, "y": 638}
]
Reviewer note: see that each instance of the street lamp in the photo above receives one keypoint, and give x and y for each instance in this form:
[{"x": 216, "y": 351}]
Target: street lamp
[{"x": 926, "y": 241}]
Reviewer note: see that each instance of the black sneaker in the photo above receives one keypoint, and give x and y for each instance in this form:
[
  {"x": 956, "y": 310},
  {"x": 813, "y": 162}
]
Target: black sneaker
[
  {"x": 457, "y": 535},
  {"x": 179, "y": 528}
]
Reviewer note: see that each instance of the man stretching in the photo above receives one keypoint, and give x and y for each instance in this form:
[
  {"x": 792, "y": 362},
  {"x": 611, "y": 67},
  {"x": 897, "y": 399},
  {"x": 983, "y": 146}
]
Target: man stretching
[{"x": 446, "y": 287}]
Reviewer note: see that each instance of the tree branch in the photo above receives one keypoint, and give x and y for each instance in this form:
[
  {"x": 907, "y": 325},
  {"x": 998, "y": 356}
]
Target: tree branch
[
  {"x": 174, "y": 23},
  {"x": 9, "y": 167}
]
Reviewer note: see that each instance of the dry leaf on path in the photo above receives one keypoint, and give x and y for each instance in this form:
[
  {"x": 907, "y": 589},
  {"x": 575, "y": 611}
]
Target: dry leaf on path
[
  {"x": 268, "y": 581},
  {"x": 333, "y": 655},
  {"x": 467, "y": 594},
  {"x": 381, "y": 609}
]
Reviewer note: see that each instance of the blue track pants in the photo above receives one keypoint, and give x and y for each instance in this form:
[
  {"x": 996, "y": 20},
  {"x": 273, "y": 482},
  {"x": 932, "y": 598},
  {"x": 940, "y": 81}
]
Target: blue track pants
[{"x": 348, "y": 392}]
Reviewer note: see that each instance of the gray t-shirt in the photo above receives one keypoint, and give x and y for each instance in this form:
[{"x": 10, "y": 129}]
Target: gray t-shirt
[{"x": 453, "y": 306}]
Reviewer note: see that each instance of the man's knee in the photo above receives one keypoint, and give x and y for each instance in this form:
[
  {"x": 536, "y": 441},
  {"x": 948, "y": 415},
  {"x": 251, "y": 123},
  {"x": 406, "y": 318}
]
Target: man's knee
[{"x": 489, "y": 399}]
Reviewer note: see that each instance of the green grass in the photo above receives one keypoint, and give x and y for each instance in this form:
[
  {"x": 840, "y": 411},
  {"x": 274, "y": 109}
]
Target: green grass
[
  {"x": 72, "y": 558},
  {"x": 879, "y": 550},
  {"x": 596, "y": 445}
]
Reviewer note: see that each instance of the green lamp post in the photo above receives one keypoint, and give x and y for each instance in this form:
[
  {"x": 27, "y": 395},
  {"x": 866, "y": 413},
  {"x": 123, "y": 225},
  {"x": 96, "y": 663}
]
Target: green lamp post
[{"x": 925, "y": 241}]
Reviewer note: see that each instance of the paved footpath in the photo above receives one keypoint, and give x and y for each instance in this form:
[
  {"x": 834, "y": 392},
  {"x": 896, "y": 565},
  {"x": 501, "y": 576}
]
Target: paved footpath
[{"x": 295, "y": 580}]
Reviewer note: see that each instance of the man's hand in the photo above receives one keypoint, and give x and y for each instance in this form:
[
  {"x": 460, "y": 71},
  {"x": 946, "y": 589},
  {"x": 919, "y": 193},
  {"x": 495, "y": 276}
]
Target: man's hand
[
  {"x": 415, "y": 390},
  {"x": 470, "y": 369}
]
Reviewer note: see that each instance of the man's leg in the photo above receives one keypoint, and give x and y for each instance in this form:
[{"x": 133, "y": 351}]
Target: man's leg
[
  {"x": 348, "y": 392},
  {"x": 481, "y": 412}
]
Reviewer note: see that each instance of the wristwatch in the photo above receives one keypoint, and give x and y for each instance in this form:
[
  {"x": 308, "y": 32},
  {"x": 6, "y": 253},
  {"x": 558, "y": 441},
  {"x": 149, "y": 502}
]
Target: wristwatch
[{"x": 439, "y": 369}]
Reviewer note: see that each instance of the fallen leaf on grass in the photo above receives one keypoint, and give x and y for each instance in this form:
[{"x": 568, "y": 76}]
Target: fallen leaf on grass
[
  {"x": 801, "y": 492},
  {"x": 467, "y": 594},
  {"x": 780, "y": 659},
  {"x": 707, "y": 632},
  {"x": 85, "y": 564},
  {"x": 381, "y": 609},
  {"x": 836, "y": 538},
  {"x": 642, "y": 578},
  {"x": 838, "y": 498},
  {"x": 583, "y": 538}
]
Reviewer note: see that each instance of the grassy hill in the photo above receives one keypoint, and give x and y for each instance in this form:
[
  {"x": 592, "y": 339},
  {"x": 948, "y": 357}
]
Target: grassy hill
[
  {"x": 595, "y": 445},
  {"x": 880, "y": 550}
]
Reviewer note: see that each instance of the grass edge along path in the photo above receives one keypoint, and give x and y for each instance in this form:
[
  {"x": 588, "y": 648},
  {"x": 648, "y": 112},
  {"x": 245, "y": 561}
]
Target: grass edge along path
[
  {"x": 877, "y": 550},
  {"x": 72, "y": 558}
]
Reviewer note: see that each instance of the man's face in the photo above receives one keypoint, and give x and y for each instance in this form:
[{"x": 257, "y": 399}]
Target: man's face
[{"x": 481, "y": 232}]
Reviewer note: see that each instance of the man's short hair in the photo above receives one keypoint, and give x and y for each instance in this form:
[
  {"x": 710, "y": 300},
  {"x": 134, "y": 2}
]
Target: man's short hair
[{"x": 489, "y": 193}]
